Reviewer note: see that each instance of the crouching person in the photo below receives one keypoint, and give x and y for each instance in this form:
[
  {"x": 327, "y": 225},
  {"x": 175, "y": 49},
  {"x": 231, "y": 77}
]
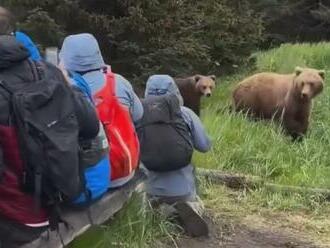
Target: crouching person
[
  {"x": 94, "y": 154},
  {"x": 116, "y": 103},
  {"x": 168, "y": 133},
  {"x": 41, "y": 122}
]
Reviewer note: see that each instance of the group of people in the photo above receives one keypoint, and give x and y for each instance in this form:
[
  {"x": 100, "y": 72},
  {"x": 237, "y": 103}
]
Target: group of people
[{"x": 71, "y": 131}]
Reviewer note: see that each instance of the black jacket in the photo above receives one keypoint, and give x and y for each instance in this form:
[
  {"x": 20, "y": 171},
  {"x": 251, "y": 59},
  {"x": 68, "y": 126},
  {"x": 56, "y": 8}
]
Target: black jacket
[{"x": 16, "y": 69}]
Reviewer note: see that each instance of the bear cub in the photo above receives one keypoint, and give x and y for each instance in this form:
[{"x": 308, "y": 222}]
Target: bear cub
[
  {"x": 284, "y": 98},
  {"x": 193, "y": 88}
]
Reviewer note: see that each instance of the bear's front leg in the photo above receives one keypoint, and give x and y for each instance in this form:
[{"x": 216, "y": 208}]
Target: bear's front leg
[
  {"x": 296, "y": 129},
  {"x": 297, "y": 137}
]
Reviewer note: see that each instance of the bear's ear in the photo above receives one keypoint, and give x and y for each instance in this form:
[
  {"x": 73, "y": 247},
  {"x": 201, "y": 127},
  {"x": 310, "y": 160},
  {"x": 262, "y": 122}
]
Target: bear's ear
[
  {"x": 298, "y": 70},
  {"x": 213, "y": 77},
  {"x": 197, "y": 78},
  {"x": 322, "y": 74}
]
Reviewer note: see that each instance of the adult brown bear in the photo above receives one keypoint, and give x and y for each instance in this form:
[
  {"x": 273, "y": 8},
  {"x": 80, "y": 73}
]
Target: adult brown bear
[
  {"x": 286, "y": 98},
  {"x": 193, "y": 88}
]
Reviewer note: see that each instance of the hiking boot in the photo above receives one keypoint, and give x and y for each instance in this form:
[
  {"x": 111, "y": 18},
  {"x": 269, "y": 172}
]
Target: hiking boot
[
  {"x": 167, "y": 211},
  {"x": 192, "y": 221}
]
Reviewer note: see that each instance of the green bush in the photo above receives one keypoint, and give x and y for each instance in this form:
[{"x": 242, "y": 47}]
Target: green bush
[{"x": 144, "y": 37}]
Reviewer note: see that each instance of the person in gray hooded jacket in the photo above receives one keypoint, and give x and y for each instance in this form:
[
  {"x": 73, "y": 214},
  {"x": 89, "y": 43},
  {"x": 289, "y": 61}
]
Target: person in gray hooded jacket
[
  {"x": 80, "y": 53},
  {"x": 177, "y": 189}
]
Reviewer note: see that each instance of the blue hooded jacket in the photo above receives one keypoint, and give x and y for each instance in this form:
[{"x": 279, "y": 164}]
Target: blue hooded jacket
[
  {"x": 81, "y": 53},
  {"x": 178, "y": 183},
  {"x": 29, "y": 45}
]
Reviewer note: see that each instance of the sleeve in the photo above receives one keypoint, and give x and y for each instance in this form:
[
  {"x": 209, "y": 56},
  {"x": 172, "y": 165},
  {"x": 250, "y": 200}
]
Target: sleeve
[
  {"x": 127, "y": 97},
  {"x": 137, "y": 108},
  {"x": 86, "y": 115},
  {"x": 200, "y": 138}
]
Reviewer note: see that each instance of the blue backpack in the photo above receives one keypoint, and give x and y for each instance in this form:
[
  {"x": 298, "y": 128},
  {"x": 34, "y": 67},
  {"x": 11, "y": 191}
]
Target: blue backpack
[{"x": 94, "y": 157}]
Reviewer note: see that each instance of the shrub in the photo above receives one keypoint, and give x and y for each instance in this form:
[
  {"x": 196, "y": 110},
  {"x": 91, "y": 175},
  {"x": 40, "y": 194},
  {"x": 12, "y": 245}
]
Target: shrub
[{"x": 144, "y": 37}]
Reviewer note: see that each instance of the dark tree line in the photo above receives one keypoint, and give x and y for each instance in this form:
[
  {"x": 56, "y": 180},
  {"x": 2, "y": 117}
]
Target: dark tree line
[
  {"x": 294, "y": 20},
  {"x": 180, "y": 37}
]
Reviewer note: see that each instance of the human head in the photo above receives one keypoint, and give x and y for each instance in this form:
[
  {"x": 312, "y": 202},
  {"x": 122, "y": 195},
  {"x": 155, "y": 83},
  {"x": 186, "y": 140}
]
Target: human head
[
  {"x": 158, "y": 85},
  {"x": 80, "y": 53},
  {"x": 7, "y": 22}
]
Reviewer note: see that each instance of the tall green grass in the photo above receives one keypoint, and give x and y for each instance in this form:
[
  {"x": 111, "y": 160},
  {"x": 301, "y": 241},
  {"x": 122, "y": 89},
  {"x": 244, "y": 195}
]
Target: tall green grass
[
  {"x": 239, "y": 145},
  {"x": 287, "y": 56},
  {"x": 135, "y": 226},
  {"x": 260, "y": 148}
]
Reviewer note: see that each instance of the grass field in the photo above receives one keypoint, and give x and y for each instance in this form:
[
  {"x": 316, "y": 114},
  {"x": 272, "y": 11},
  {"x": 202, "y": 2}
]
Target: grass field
[
  {"x": 136, "y": 226},
  {"x": 254, "y": 148},
  {"x": 259, "y": 148}
]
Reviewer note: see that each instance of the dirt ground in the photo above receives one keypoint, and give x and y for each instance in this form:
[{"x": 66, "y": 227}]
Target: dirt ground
[
  {"x": 236, "y": 224},
  {"x": 246, "y": 235}
]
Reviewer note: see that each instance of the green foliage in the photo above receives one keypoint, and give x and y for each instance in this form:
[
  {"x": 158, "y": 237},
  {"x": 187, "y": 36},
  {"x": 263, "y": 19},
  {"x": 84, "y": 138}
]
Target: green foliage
[
  {"x": 260, "y": 148},
  {"x": 181, "y": 37},
  {"x": 145, "y": 37},
  {"x": 287, "y": 56},
  {"x": 135, "y": 226},
  {"x": 294, "y": 20}
]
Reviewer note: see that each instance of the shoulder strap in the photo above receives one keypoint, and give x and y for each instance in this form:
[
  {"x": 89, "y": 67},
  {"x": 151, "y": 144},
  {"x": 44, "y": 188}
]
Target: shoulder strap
[
  {"x": 111, "y": 81},
  {"x": 37, "y": 70}
]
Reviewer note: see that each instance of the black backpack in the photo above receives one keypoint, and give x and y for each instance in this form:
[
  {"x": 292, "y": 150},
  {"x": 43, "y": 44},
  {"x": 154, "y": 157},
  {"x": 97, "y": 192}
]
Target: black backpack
[
  {"x": 43, "y": 114},
  {"x": 165, "y": 140},
  {"x": 2, "y": 165}
]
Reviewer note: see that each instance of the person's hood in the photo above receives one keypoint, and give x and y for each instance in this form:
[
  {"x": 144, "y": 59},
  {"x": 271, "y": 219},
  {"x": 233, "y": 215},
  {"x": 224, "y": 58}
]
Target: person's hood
[
  {"x": 11, "y": 51},
  {"x": 26, "y": 41},
  {"x": 158, "y": 85},
  {"x": 80, "y": 53}
]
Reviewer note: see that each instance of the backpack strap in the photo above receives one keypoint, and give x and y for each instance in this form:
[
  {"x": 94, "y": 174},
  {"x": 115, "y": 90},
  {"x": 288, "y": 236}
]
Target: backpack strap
[
  {"x": 111, "y": 81},
  {"x": 37, "y": 70}
]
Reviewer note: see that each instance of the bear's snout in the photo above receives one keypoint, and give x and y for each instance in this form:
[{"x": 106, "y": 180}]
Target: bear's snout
[
  {"x": 305, "y": 96},
  {"x": 208, "y": 94}
]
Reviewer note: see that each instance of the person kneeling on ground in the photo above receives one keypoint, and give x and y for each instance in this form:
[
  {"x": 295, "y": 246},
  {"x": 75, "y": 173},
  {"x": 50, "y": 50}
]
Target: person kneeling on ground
[
  {"x": 24, "y": 214},
  {"x": 168, "y": 132},
  {"x": 80, "y": 55}
]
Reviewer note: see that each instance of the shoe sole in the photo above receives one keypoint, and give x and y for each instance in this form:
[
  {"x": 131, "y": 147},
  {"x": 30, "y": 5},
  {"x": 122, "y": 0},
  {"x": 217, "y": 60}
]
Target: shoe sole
[{"x": 193, "y": 223}]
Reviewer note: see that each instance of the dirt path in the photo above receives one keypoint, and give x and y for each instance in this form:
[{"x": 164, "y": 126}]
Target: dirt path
[
  {"x": 237, "y": 223},
  {"x": 242, "y": 236}
]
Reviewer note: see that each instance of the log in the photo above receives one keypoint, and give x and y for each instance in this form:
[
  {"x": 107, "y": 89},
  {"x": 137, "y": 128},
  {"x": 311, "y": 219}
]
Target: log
[
  {"x": 81, "y": 220},
  {"x": 236, "y": 181},
  {"x": 323, "y": 193}
]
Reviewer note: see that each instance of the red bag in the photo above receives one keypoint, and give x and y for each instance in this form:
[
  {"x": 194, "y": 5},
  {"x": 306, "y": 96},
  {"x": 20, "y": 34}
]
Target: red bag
[{"x": 124, "y": 144}]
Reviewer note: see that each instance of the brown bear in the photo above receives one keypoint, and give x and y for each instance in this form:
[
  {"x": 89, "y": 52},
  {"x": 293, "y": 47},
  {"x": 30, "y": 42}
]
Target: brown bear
[
  {"x": 193, "y": 88},
  {"x": 286, "y": 98}
]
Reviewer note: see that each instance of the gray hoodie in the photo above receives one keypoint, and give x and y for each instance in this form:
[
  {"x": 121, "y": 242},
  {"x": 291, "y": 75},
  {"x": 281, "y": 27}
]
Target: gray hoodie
[
  {"x": 81, "y": 53},
  {"x": 178, "y": 183}
]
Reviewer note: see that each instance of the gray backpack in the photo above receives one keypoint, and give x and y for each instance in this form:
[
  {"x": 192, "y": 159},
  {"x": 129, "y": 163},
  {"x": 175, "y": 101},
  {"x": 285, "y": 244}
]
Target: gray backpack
[{"x": 165, "y": 139}]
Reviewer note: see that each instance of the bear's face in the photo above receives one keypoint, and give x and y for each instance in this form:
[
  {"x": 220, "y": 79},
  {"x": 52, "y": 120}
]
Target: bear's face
[
  {"x": 205, "y": 84},
  {"x": 309, "y": 82}
]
